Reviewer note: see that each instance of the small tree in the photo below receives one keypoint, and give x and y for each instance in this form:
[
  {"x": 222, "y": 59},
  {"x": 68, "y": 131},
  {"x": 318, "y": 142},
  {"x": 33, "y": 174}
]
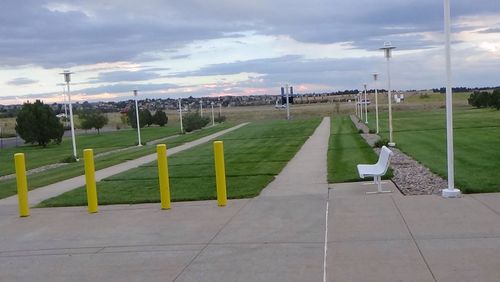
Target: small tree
[
  {"x": 37, "y": 123},
  {"x": 146, "y": 115},
  {"x": 160, "y": 118},
  {"x": 132, "y": 120},
  {"x": 92, "y": 119}
]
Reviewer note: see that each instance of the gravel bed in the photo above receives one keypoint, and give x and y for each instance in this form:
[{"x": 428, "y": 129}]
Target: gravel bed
[{"x": 411, "y": 177}]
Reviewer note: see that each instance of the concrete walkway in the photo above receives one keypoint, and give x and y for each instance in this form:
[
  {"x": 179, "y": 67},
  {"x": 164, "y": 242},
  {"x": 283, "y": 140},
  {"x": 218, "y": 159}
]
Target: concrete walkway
[
  {"x": 281, "y": 235},
  {"x": 38, "y": 195}
]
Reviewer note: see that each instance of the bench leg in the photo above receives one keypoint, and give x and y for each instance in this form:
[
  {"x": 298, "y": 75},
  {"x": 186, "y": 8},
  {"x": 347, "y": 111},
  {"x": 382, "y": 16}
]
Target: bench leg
[{"x": 378, "y": 181}]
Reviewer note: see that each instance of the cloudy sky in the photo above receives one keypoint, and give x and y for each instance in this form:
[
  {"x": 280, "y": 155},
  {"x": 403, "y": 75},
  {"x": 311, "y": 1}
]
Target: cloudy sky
[{"x": 170, "y": 48}]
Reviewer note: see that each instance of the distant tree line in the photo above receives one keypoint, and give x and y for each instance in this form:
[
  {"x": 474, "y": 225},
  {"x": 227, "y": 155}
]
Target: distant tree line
[{"x": 461, "y": 89}]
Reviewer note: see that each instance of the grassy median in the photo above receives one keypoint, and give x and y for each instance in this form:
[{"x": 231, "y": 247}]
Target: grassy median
[
  {"x": 8, "y": 187},
  {"x": 346, "y": 150},
  {"x": 254, "y": 154}
]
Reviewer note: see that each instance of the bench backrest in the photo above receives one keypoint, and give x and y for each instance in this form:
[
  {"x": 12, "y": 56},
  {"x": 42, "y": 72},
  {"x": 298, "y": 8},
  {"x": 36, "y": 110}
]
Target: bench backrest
[{"x": 384, "y": 159}]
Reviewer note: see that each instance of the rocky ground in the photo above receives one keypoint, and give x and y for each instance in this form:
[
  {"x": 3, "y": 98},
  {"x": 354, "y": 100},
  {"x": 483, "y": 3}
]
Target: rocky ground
[{"x": 411, "y": 177}]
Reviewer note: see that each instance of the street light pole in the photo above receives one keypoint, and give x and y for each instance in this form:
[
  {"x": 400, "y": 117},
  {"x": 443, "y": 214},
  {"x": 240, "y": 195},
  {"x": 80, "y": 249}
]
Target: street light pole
[
  {"x": 180, "y": 115},
  {"x": 287, "y": 103},
  {"x": 388, "y": 53},
  {"x": 67, "y": 79},
  {"x": 375, "y": 77},
  {"x": 366, "y": 107},
  {"x": 451, "y": 191},
  {"x": 213, "y": 118},
  {"x": 137, "y": 119},
  {"x": 201, "y": 108},
  {"x": 360, "y": 106}
]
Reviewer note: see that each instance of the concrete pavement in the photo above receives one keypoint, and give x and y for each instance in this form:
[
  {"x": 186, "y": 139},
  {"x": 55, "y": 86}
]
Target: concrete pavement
[{"x": 277, "y": 236}]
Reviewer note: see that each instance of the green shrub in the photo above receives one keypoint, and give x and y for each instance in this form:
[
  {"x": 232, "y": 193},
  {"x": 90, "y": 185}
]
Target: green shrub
[
  {"x": 220, "y": 119},
  {"x": 381, "y": 142},
  {"x": 193, "y": 121},
  {"x": 372, "y": 131},
  {"x": 69, "y": 159},
  {"x": 480, "y": 99}
]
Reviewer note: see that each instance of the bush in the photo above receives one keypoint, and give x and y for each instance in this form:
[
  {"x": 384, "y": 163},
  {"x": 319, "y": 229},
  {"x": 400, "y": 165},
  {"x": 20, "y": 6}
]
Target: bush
[
  {"x": 220, "y": 119},
  {"x": 372, "y": 131},
  {"x": 495, "y": 99},
  {"x": 480, "y": 99},
  {"x": 360, "y": 131},
  {"x": 193, "y": 121},
  {"x": 381, "y": 142},
  {"x": 69, "y": 159}
]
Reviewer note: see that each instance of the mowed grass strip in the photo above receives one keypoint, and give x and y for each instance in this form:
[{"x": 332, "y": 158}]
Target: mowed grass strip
[
  {"x": 422, "y": 135},
  {"x": 8, "y": 187},
  {"x": 37, "y": 156},
  {"x": 347, "y": 149},
  {"x": 254, "y": 154}
]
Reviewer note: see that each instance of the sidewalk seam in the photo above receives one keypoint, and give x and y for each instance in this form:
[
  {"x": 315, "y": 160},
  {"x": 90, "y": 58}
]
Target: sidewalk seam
[
  {"x": 211, "y": 240},
  {"x": 413, "y": 239}
]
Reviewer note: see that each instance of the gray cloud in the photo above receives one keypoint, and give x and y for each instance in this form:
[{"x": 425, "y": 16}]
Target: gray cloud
[
  {"x": 22, "y": 81},
  {"x": 490, "y": 30},
  {"x": 127, "y": 87},
  {"x": 118, "y": 76},
  {"x": 119, "y": 31}
]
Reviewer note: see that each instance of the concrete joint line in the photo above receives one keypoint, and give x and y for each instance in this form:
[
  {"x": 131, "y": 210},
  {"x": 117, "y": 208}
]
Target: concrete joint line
[{"x": 413, "y": 239}]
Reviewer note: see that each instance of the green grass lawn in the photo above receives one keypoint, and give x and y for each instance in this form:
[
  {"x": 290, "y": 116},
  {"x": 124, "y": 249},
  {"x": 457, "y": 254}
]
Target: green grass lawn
[
  {"x": 37, "y": 156},
  {"x": 8, "y": 187},
  {"x": 254, "y": 154},
  {"x": 422, "y": 135},
  {"x": 347, "y": 149}
]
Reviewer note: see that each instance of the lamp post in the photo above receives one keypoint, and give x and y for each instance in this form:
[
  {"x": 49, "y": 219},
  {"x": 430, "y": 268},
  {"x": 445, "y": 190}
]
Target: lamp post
[
  {"x": 213, "y": 118},
  {"x": 287, "y": 103},
  {"x": 67, "y": 79},
  {"x": 180, "y": 115},
  {"x": 375, "y": 77},
  {"x": 137, "y": 119},
  {"x": 360, "y": 106},
  {"x": 388, "y": 54},
  {"x": 356, "y": 104},
  {"x": 451, "y": 191},
  {"x": 366, "y": 107}
]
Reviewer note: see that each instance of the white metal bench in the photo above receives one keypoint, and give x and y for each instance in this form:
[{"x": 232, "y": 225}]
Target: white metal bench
[{"x": 377, "y": 170}]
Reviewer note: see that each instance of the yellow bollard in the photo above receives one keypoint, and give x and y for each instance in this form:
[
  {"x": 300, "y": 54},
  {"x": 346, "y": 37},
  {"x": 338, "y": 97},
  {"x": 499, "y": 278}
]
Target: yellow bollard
[
  {"x": 161, "y": 151},
  {"x": 88, "y": 156},
  {"x": 220, "y": 173},
  {"x": 22, "y": 185}
]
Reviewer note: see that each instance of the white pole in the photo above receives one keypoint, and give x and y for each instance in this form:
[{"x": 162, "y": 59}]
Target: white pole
[
  {"x": 201, "y": 108},
  {"x": 65, "y": 106},
  {"x": 213, "y": 118},
  {"x": 180, "y": 115},
  {"x": 366, "y": 107},
  {"x": 287, "y": 104},
  {"x": 137, "y": 119},
  {"x": 360, "y": 106},
  {"x": 67, "y": 78},
  {"x": 356, "y": 103},
  {"x": 389, "y": 95},
  {"x": 375, "y": 76},
  {"x": 450, "y": 192}
]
